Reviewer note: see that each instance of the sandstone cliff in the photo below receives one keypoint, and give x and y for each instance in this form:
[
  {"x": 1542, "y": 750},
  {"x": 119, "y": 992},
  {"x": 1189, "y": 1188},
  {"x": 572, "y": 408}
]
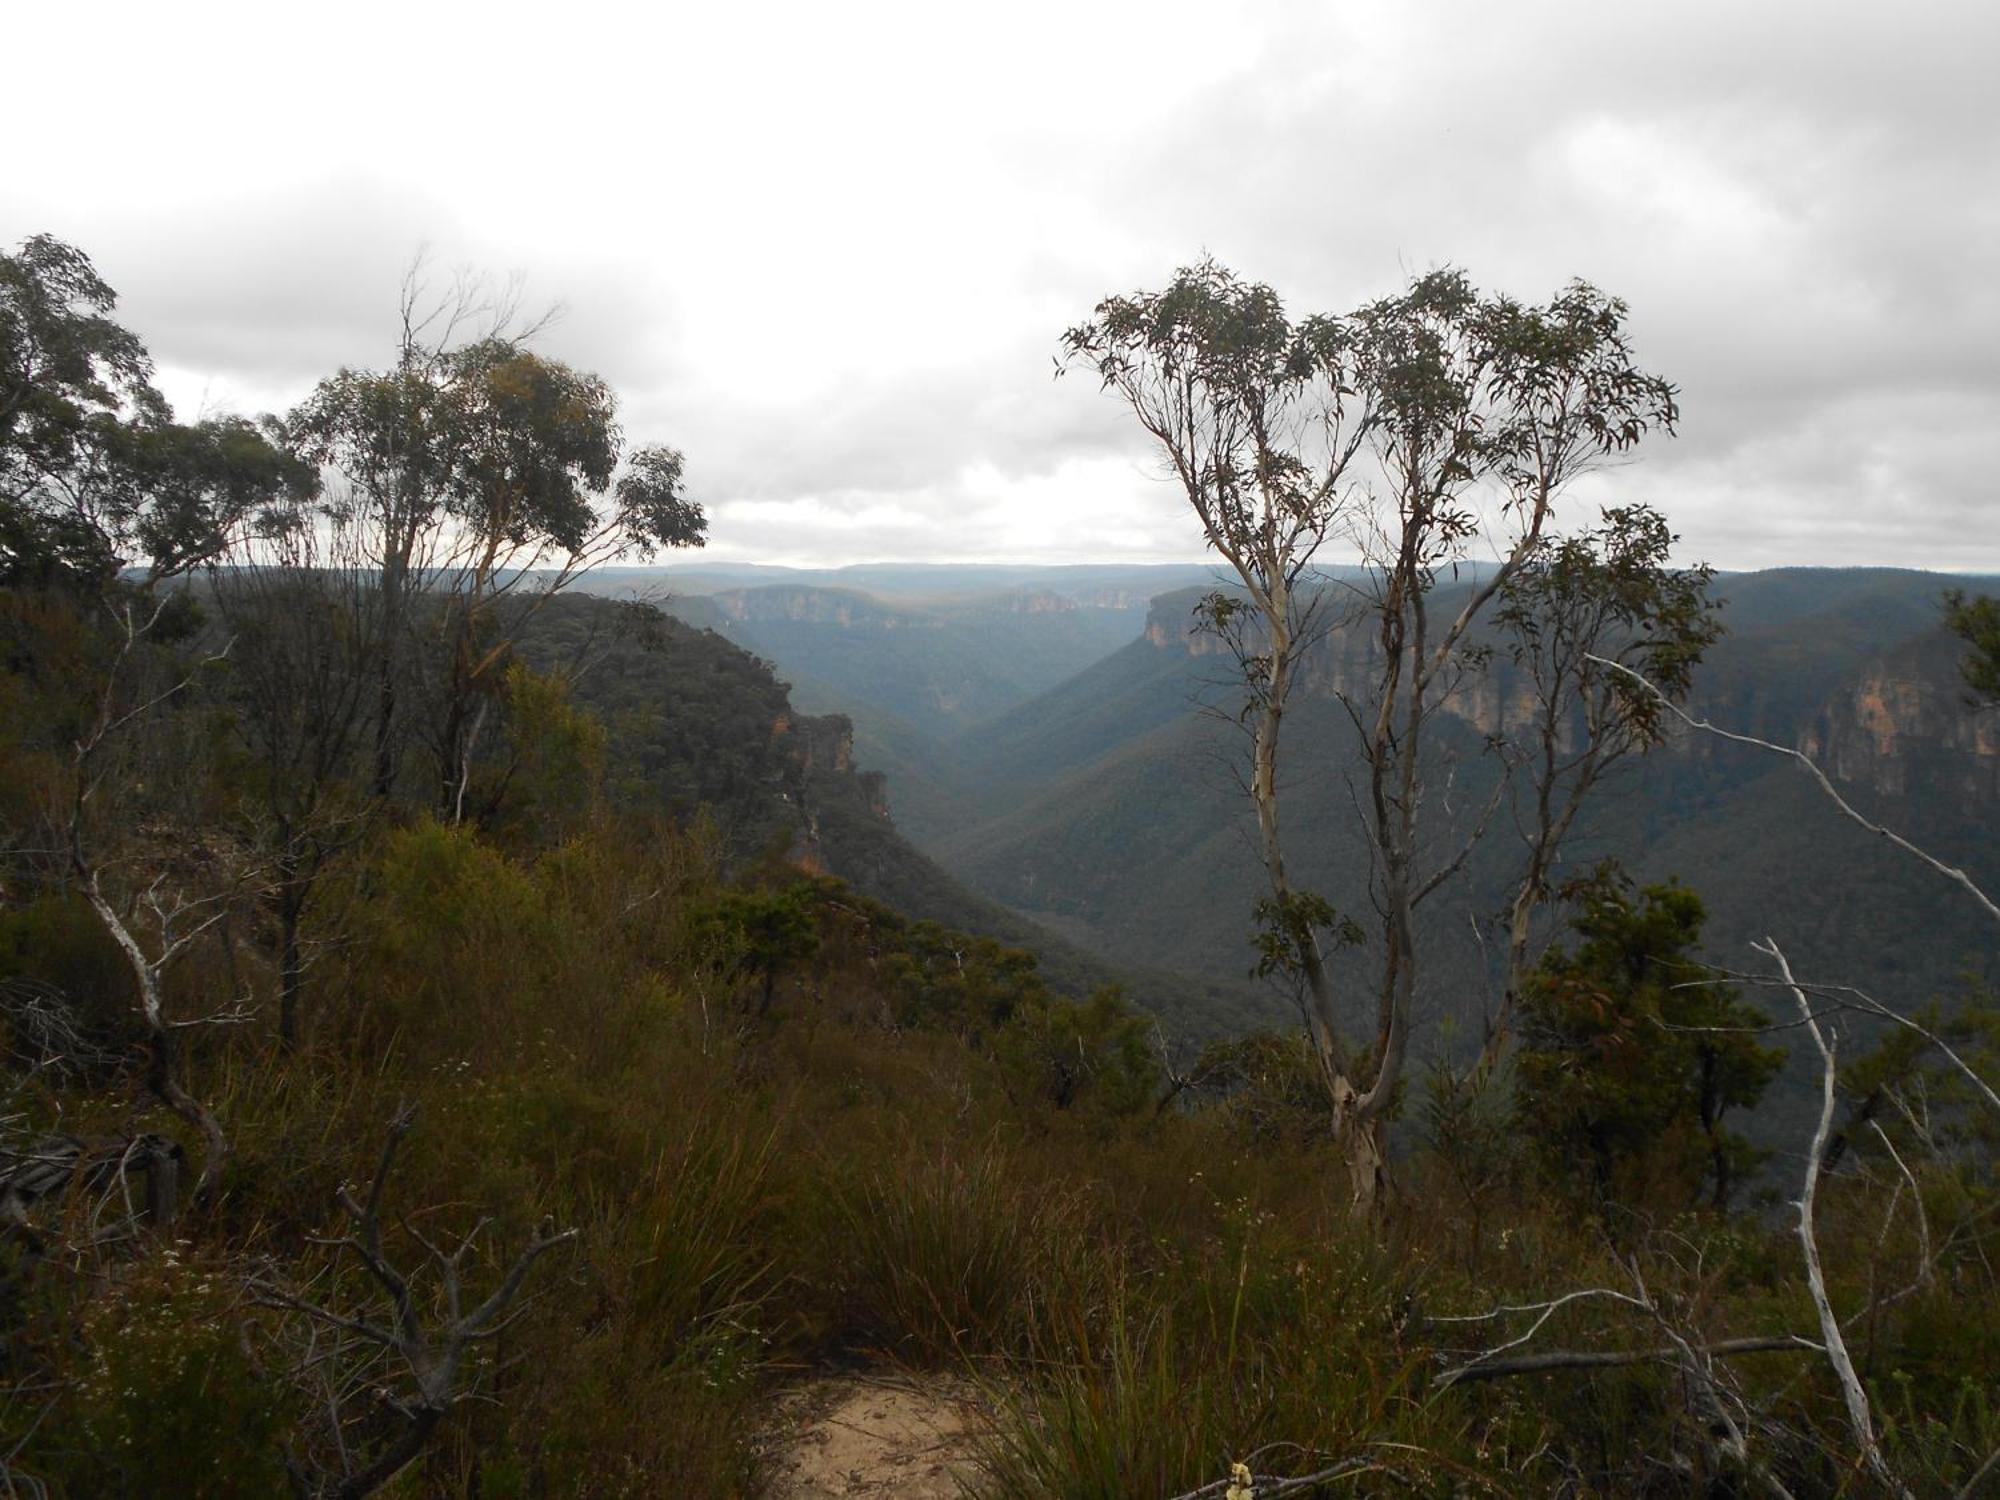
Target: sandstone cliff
[{"x": 1905, "y": 727}]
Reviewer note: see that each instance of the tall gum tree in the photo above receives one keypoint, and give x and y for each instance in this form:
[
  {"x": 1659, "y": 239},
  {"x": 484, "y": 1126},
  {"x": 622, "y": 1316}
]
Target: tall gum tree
[
  {"x": 484, "y": 477},
  {"x": 95, "y": 475},
  {"x": 1418, "y": 430},
  {"x": 105, "y": 502}
]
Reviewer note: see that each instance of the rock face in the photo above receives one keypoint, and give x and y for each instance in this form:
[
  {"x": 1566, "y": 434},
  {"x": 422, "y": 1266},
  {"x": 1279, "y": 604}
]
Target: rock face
[
  {"x": 822, "y": 743},
  {"x": 1900, "y": 725},
  {"x": 1170, "y": 625},
  {"x": 814, "y": 606},
  {"x": 1040, "y": 602},
  {"x": 1904, "y": 727},
  {"x": 1491, "y": 700},
  {"x": 816, "y": 753}
]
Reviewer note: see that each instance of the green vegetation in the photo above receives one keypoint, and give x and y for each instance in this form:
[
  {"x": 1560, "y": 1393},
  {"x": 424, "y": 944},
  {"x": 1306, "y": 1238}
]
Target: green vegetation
[
  {"x": 1630, "y": 1055},
  {"x": 695, "y": 726},
  {"x": 438, "y": 1063},
  {"x": 1117, "y": 770},
  {"x": 1976, "y": 621},
  {"x": 884, "y": 1165}
]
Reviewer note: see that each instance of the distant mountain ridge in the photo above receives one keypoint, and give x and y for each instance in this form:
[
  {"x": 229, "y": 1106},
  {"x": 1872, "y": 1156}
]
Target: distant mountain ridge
[
  {"x": 1104, "y": 805},
  {"x": 698, "y": 725},
  {"x": 936, "y": 648}
]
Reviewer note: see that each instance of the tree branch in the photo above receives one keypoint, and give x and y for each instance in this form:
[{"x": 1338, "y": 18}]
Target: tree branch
[
  {"x": 1950, "y": 872},
  {"x": 1859, "y": 1416}
]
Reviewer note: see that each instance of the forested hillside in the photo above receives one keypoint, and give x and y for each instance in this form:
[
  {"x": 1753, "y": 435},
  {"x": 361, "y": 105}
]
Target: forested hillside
[
  {"x": 694, "y": 725},
  {"x": 462, "y": 1038},
  {"x": 1109, "y": 807}
]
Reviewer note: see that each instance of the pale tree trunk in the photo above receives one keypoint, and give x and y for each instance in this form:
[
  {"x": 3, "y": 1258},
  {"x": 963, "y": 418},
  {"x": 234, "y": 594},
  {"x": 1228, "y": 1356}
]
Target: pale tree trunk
[
  {"x": 1358, "y": 1128},
  {"x": 1364, "y": 1141},
  {"x": 162, "y": 1043},
  {"x": 291, "y": 962},
  {"x": 1264, "y": 796}
]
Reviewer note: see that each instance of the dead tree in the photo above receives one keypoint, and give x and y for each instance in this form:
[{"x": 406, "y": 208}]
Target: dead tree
[
  {"x": 295, "y": 592},
  {"x": 1502, "y": 1359},
  {"x": 410, "y": 1353},
  {"x": 152, "y": 921},
  {"x": 1859, "y": 1416},
  {"x": 135, "y": 1180},
  {"x": 1719, "y": 1416}
]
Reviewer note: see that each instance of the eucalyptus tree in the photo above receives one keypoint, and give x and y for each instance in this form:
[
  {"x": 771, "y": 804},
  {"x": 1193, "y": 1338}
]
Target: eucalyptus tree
[
  {"x": 1261, "y": 424},
  {"x": 1419, "y": 430},
  {"x": 306, "y": 631},
  {"x": 1975, "y": 619},
  {"x": 105, "y": 500},
  {"x": 71, "y": 379},
  {"x": 95, "y": 475},
  {"x": 484, "y": 477},
  {"x": 1576, "y": 611}
]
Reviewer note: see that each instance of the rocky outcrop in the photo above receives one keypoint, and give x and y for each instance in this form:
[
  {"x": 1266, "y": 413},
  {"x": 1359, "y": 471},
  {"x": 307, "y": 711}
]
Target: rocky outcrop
[
  {"x": 1040, "y": 602},
  {"x": 820, "y": 780},
  {"x": 1898, "y": 725},
  {"x": 815, "y": 606},
  {"x": 815, "y": 744},
  {"x": 1493, "y": 698},
  {"x": 1905, "y": 726}
]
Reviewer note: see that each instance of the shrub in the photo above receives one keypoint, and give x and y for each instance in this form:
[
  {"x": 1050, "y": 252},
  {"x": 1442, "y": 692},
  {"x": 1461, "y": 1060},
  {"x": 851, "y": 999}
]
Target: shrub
[{"x": 163, "y": 1400}]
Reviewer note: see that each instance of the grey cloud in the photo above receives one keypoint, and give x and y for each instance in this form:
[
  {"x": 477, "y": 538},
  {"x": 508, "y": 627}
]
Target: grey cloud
[
  {"x": 1838, "y": 345},
  {"x": 897, "y": 431},
  {"x": 1865, "y": 143},
  {"x": 272, "y": 287}
]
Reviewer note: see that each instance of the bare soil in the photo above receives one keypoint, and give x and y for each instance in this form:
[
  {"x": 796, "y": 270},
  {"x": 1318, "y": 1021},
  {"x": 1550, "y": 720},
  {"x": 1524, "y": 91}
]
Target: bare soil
[{"x": 873, "y": 1435}]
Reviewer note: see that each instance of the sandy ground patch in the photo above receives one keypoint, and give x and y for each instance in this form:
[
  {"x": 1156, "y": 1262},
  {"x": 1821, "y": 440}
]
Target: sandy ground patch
[{"x": 875, "y": 1435}]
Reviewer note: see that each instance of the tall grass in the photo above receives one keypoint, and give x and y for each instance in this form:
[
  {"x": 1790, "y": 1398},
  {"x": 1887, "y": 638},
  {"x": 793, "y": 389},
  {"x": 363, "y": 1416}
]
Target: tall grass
[
  {"x": 940, "y": 1253},
  {"x": 1145, "y": 1300}
]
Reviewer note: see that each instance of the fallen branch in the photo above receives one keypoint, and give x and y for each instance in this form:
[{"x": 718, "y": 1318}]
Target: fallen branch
[
  {"x": 1612, "y": 1359},
  {"x": 432, "y": 1356},
  {"x": 1980, "y": 1475}
]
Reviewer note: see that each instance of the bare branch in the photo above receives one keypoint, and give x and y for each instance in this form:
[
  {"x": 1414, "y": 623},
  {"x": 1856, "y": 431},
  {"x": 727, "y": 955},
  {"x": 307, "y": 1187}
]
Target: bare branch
[
  {"x": 1612, "y": 1359},
  {"x": 1980, "y": 1475},
  {"x": 1924, "y": 1271},
  {"x": 1950, "y": 872},
  {"x": 431, "y": 1350},
  {"x": 1859, "y": 1416},
  {"x": 1271, "y": 1486}
]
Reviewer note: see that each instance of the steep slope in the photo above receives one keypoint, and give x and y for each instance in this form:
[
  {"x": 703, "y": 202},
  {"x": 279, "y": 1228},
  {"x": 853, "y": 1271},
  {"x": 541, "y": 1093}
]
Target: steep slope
[
  {"x": 939, "y": 648},
  {"x": 697, "y": 725},
  {"x": 1125, "y": 825},
  {"x": 938, "y": 666},
  {"x": 928, "y": 791},
  {"x": 1122, "y": 697}
]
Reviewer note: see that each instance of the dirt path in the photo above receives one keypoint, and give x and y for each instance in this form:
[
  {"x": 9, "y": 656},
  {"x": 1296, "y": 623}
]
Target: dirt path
[{"x": 875, "y": 1435}]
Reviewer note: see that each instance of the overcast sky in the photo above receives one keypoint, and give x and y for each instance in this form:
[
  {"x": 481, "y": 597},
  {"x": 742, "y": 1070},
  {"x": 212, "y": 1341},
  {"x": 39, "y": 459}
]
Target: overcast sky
[{"x": 828, "y": 249}]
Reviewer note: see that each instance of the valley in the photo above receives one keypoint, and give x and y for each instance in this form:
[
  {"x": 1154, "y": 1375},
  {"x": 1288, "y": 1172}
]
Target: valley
[
  {"x": 1068, "y": 753},
  {"x": 486, "y": 1017}
]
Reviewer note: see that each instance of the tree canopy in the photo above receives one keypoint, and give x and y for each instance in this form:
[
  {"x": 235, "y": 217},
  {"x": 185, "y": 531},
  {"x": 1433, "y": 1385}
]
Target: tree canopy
[
  {"x": 95, "y": 474},
  {"x": 1415, "y": 430},
  {"x": 1632, "y": 1054}
]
